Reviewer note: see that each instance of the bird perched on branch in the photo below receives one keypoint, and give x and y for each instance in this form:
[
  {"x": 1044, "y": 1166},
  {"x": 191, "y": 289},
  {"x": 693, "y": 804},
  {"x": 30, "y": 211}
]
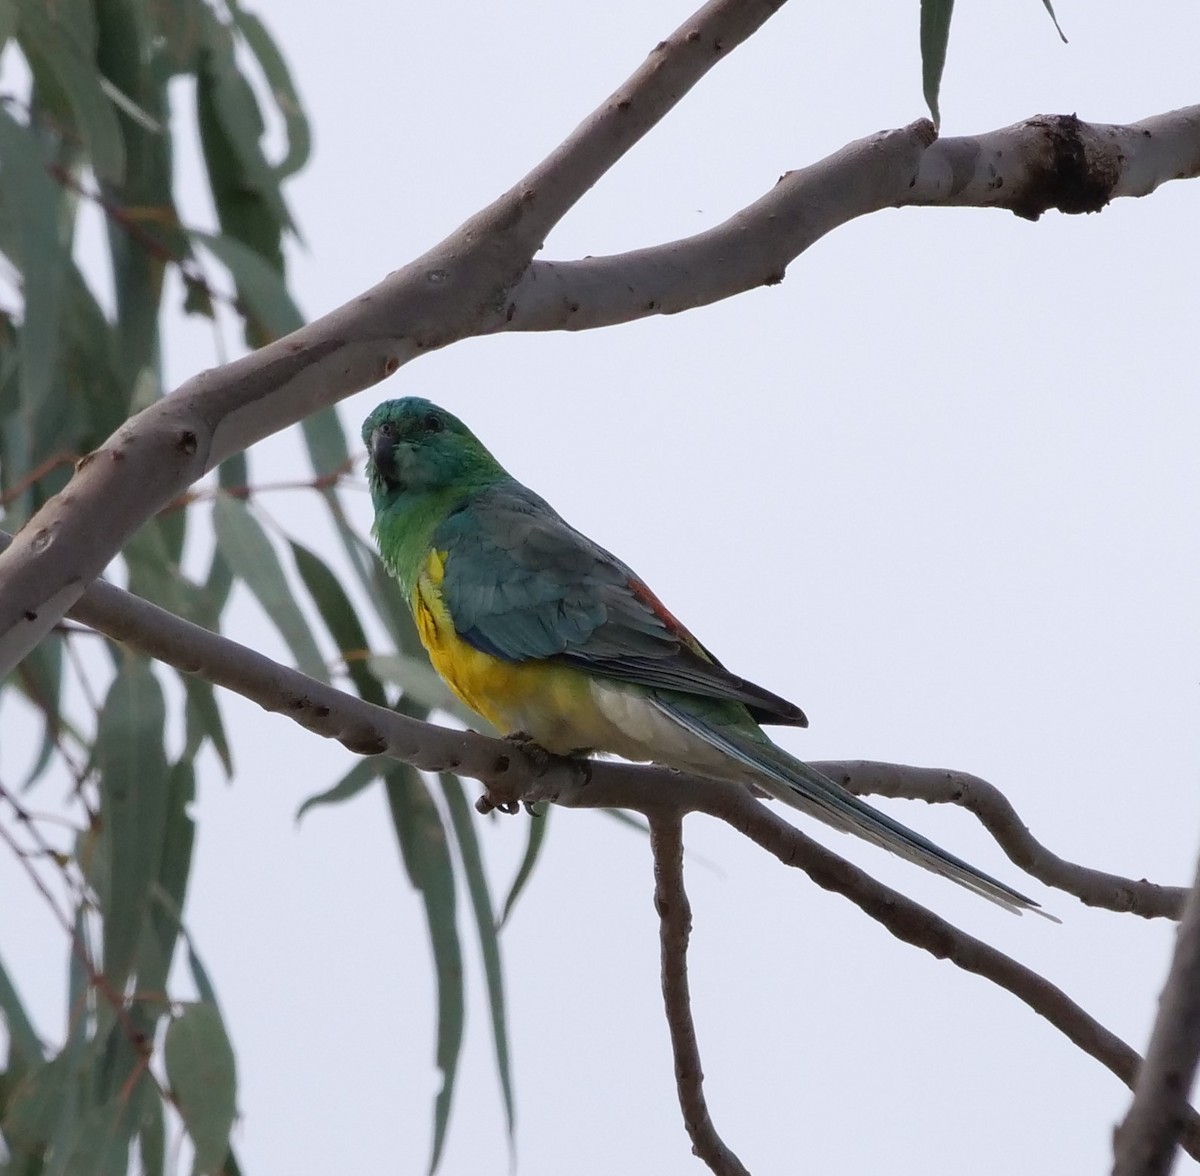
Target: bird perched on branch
[{"x": 547, "y": 635}]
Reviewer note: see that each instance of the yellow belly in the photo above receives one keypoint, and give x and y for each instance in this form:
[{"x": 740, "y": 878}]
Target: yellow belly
[{"x": 547, "y": 701}]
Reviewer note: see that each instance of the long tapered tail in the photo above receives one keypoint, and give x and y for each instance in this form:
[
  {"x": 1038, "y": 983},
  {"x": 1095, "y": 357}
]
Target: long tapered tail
[{"x": 796, "y": 784}]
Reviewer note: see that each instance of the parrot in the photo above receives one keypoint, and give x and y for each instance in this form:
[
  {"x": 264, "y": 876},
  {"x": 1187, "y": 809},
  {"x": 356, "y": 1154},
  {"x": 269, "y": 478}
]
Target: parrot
[{"x": 554, "y": 640}]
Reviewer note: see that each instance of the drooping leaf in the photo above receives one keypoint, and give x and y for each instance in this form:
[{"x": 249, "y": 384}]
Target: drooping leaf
[
  {"x": 326, "y": 441},
  {"x": 1058, "y": 28},
  {"x": 261, "y": 288},
  {"x": 203, "y": 718},
  {"x": 151, "y": 1131},
  {"x": 935, "y": 35},
  {"x": 24, "y": 1047},
  {"x": 133, "y": 807},
  {"x": 249, "y": 553},
  {"x": 539, "y": 821},
  {"x": 341, "y": 620},
  {"x": 162, "y": 927},
  {"x": 31, "y": 203},
  {"x": 485, "y": 922},
  {"x": 363, "y": 774},
  {"x": 227, "y": 108},
  {"x": 423, "y": 847},
  {"x": 200, "y": 1068},
  {"x": 33, "y": 1108},
  {"x": 40, "y": 680},
  {"x": 283, "y": 90},
  {"x": 131, "y": 53},
  {"x": 8, "y": 21},
  {"x": 57, "y": 57}
]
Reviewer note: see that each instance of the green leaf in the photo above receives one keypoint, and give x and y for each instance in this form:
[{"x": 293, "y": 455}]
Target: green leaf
[
  {"x": 51, "y": 46},
  {"x": 23, "y": 1044},
  {"x": 8, "y": 21},
  {"x": 131, "y": 53},
  {"x": 152, "y": 1136},
  {"x": 40, "y": 679},
  {"x": 341, "y": 620},
  {"x": 204, "y": 721},
  {"x": 283, "y": 90},
  {"x": 200, "y": 1069},
  {"x": 1050, "y": 9},
  {"x": 426, "y": 857},
  {"x": 168, "y": 895},
  {"x": 228, "y": 108},
  {"x": 133, "y": 807},
  {"x": 34, "y": 1106},
  {"x": 539, "y": 821},
  {"x": 363, "y": 774},
  {"x": 485, "y": 922},
  {"x": 326, "y": 441},
  {"x": 249, "y": 553},
  {"x": 261, "y": 288},
  {"x": 31, "y": 202},
  {"x": 935, "y": 34},
  {"x": 383, "y": 591}
]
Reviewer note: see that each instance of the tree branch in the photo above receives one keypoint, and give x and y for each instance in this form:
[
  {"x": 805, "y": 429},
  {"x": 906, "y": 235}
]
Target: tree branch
[
  {"x": 481, "y": 280},
  {"x": 370, "y": 730},
  {"x": 997, "y": 815},
  {"x": 456, "y": 290},
  {"x": 1144, "y": 1144},
  {"x": 675, "y": 928},
  {"x": 1050, "y": 161},
  {"x": 510, "y": 775}
]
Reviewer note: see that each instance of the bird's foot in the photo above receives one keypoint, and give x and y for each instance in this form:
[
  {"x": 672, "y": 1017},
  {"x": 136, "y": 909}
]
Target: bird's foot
[{"x": 543, "y": 760}]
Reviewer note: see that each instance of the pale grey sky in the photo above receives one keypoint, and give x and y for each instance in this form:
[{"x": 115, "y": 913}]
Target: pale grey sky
[{"x": 939, "y": 488}]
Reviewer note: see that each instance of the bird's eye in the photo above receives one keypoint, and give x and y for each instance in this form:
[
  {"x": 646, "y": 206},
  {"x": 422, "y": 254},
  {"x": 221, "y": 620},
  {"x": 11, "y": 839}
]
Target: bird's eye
[{"x": 433, "y": 423}]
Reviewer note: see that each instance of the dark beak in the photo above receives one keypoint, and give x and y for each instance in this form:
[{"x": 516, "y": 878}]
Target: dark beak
[{"x": 383, "y": 455}]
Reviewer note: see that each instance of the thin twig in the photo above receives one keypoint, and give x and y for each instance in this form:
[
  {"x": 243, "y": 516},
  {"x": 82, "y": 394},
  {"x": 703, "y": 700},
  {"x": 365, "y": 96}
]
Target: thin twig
[
  {"x": 998, "y": 816},
  {"x": 674, "y": 930},
  {"x": 1144, "y": 1144}
]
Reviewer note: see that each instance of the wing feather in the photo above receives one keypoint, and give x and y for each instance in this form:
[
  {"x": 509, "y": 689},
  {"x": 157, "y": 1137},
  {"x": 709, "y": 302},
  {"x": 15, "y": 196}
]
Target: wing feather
[{"x": 522, "y": 584}]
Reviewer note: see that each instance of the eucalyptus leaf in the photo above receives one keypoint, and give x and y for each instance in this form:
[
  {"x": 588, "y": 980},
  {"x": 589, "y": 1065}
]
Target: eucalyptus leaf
[
  {"x": 539, "y": 822},
  {"x": 200, "y": 1068},
  {"x": 261, "y": 287},
  {"x": 133, "y": 806},
  {"x": 283, "y": 89},
  {"x": 935, "y": 35},
  {"x": 341, "y": 620},
  {"x": 51, "y": 45},
  {"x": 249, "y": 552},
  {"x": 362, "y": 775},
  {"x": 31, "y": 201},
  {"x": 423, "y": 847},
  {"x": 485, "y": 922}
]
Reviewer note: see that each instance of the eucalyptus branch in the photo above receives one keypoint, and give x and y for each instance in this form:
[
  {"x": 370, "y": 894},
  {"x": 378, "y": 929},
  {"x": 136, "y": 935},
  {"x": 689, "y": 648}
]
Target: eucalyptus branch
[
  {"x": 1144, "y": 1144},
  {"x": 1051, "y": 161},
  {"x": 511, "y": 775},
  {"x": 998, "y": 816},
  {"x": 675, "y": 929}
]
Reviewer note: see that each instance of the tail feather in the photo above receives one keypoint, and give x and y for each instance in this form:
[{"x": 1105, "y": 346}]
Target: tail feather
[{"x": 795, "y": 783}]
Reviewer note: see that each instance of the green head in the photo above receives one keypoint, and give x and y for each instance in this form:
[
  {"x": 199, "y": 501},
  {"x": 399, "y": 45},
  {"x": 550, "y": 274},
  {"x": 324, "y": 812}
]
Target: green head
[
  {"x": 422, "y": 464},
  {"x": 417, "y": 450}
]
